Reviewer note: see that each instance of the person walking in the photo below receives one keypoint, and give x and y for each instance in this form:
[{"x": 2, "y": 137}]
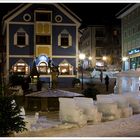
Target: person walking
[{"x": 107, "y": 82}]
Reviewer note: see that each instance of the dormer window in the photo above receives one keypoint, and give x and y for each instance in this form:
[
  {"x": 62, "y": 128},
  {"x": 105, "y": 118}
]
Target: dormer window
[
  {"x": 65, "y": 68},
  {"x": 64, "y": 39},
  {"x": 20, "y": 68},
  {"x": 21, "y": 38}
]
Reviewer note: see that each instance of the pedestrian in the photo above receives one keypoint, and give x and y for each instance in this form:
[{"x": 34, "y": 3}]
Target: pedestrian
[
  {"x": 101, "y": 76},
  {"x": 107, "y": 82}
]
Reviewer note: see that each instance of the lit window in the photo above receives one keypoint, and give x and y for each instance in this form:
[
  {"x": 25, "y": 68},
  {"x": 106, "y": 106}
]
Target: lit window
[
  {"x": 43, "y": 68},
  {"x": 65, "y": 68},
  {"x": 21, "y": 38},
  {"x": 21, "y": 68},
  {"x": 64, "y": 39}
]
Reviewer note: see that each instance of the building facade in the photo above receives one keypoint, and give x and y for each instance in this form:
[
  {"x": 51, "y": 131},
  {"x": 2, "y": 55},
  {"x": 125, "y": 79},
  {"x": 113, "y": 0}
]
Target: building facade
[
  {"x": 44, "y": 33},
  {"x": 130, "y": 24},
  {"x": 102, "y": 44}
]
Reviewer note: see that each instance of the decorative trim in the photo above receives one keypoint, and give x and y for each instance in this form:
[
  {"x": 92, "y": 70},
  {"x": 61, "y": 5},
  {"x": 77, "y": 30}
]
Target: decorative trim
[
  {"x": 21, "y": 56},
  {"x": 24, "y": 23},
  {"x": 68, "y": 76},
  {"x": 49, "y": 76},
  {"x": 58, "y": 18},
  {"x": 26, "y": 17},
  {"x": 63, "y": 24},
  {"x": 62, "y": 56},
  {"x": 77, "y": 51}
]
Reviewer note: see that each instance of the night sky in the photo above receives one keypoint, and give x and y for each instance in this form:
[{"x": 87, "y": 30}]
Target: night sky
[{"x": 90, "y": 13}]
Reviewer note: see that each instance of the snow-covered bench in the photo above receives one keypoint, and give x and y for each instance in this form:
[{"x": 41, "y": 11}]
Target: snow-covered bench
[
  {"x": 89, "y": 109},
  {"x": 69, "y": 112}
]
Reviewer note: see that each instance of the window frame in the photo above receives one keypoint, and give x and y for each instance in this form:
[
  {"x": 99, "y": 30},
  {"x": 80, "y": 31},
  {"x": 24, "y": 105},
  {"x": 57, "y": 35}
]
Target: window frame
[
  {"x": 20, "y": 65},
  {"x": 21, "y": 33},
  {"x": 63, "y": 36},
  {"x": 68, "y": 67}
]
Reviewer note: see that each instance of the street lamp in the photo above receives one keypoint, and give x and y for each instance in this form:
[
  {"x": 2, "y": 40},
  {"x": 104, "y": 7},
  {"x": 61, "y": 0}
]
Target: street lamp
[
  {"x": 82, "y": 57},
  {"x": 89, "y": 61}
]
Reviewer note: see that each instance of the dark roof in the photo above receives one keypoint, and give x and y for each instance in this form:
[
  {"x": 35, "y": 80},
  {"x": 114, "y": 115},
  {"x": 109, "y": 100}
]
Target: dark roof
[{"x": 124, "y": 9}]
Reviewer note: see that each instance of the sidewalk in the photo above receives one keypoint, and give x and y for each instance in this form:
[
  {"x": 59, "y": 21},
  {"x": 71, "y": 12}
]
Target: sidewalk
[{"x": 124, "y": 127}]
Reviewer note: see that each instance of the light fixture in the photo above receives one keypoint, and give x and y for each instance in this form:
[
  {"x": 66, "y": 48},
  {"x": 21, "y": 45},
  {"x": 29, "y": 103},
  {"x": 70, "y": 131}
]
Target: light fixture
[
  {"x": 104, "y": 58},
  {"x": 124, "y": 58},
  {"x": 90, "y": 58},
  {"x": 82, "y": 56}
]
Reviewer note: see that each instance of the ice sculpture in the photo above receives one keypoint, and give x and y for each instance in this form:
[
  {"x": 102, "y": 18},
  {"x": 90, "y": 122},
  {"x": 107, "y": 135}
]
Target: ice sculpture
[
  {"x": 69, "y": 112},
  {"x": 89, "y": 109}
]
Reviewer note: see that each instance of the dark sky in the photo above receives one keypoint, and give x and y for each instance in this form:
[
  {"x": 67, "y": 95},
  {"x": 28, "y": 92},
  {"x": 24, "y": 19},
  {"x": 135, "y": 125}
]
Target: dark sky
[
  {"x": 90, "y": 13},
  {"x": 97, "y": 13}
]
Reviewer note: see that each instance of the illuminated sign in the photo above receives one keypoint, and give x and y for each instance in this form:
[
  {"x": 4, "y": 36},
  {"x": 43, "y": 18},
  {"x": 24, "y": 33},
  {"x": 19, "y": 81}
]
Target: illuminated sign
[{"x": 133, "y": 51}]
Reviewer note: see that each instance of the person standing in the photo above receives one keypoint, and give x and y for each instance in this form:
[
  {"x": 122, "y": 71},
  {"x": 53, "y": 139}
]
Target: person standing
[
  {"x": 101, "y": 76},
  {"x": 107, "y": 82}
]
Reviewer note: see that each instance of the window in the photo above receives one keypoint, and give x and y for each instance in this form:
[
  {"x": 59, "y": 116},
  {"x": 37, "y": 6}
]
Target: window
[
  {"x": 43, "y": 16},
  {"x": 21, "y": 68},
  {"x": 43, "y": 68},
  {"x": 64, "y": 39},
  {"x": 99, "y": 43},
  {"x": 99, "y": 32},
  {"x": 43, "y": 40},
  {"x": 65, "y": 68},
  {"x": 21, "y": 38},
  {"x": 27, "y": 17},
  {"x": 58, "y": 18}
]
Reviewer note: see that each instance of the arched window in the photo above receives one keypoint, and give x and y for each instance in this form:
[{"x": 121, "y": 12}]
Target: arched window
[
  {"x": 21, "y": 38},
  {"x": 43, "y": 68},
  {"x": 65, "y": 68},
  {"x": 64, "y": 39},
  {"x": 21, "y": 68}
]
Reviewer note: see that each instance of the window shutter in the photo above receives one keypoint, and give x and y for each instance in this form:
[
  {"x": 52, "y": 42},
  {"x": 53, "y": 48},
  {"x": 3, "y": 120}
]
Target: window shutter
[
  {"x": 59, "y": 40},
  {"x": 15, "y": 39},
  {"x": 70, "y": 40},
  {"x": 27, "y": 39}
]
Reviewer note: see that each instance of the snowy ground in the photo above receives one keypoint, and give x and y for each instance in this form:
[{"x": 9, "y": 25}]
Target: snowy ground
[
  {"x": 124, "y": 127},
  {"x": 96, "y": 74}
]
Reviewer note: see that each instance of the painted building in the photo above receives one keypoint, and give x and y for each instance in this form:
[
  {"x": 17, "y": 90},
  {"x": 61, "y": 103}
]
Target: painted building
[
  {"x": 101, "y": 43},
  {"x": 130, "y": 24},
  {"x": 44, "y": 33}
]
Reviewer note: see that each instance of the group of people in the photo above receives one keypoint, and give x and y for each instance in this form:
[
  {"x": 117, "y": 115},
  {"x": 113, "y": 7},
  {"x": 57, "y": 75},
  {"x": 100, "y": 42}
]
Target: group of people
[{"x": 106, "y": 80}]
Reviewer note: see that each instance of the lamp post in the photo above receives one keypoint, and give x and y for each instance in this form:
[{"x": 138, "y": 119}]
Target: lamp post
[
  {"x": 89, "y": 58},
  {"x": 124, "y": 59},
  {"x": 82, "y": 57}
]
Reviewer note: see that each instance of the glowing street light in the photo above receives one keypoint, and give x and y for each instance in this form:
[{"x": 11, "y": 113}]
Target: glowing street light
[
  {"x": 104, "y": 58},
  {"x": 124, "y": 58},
  {"x": 82, "y": 57},
  {"x": 90, "y": 58}
]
